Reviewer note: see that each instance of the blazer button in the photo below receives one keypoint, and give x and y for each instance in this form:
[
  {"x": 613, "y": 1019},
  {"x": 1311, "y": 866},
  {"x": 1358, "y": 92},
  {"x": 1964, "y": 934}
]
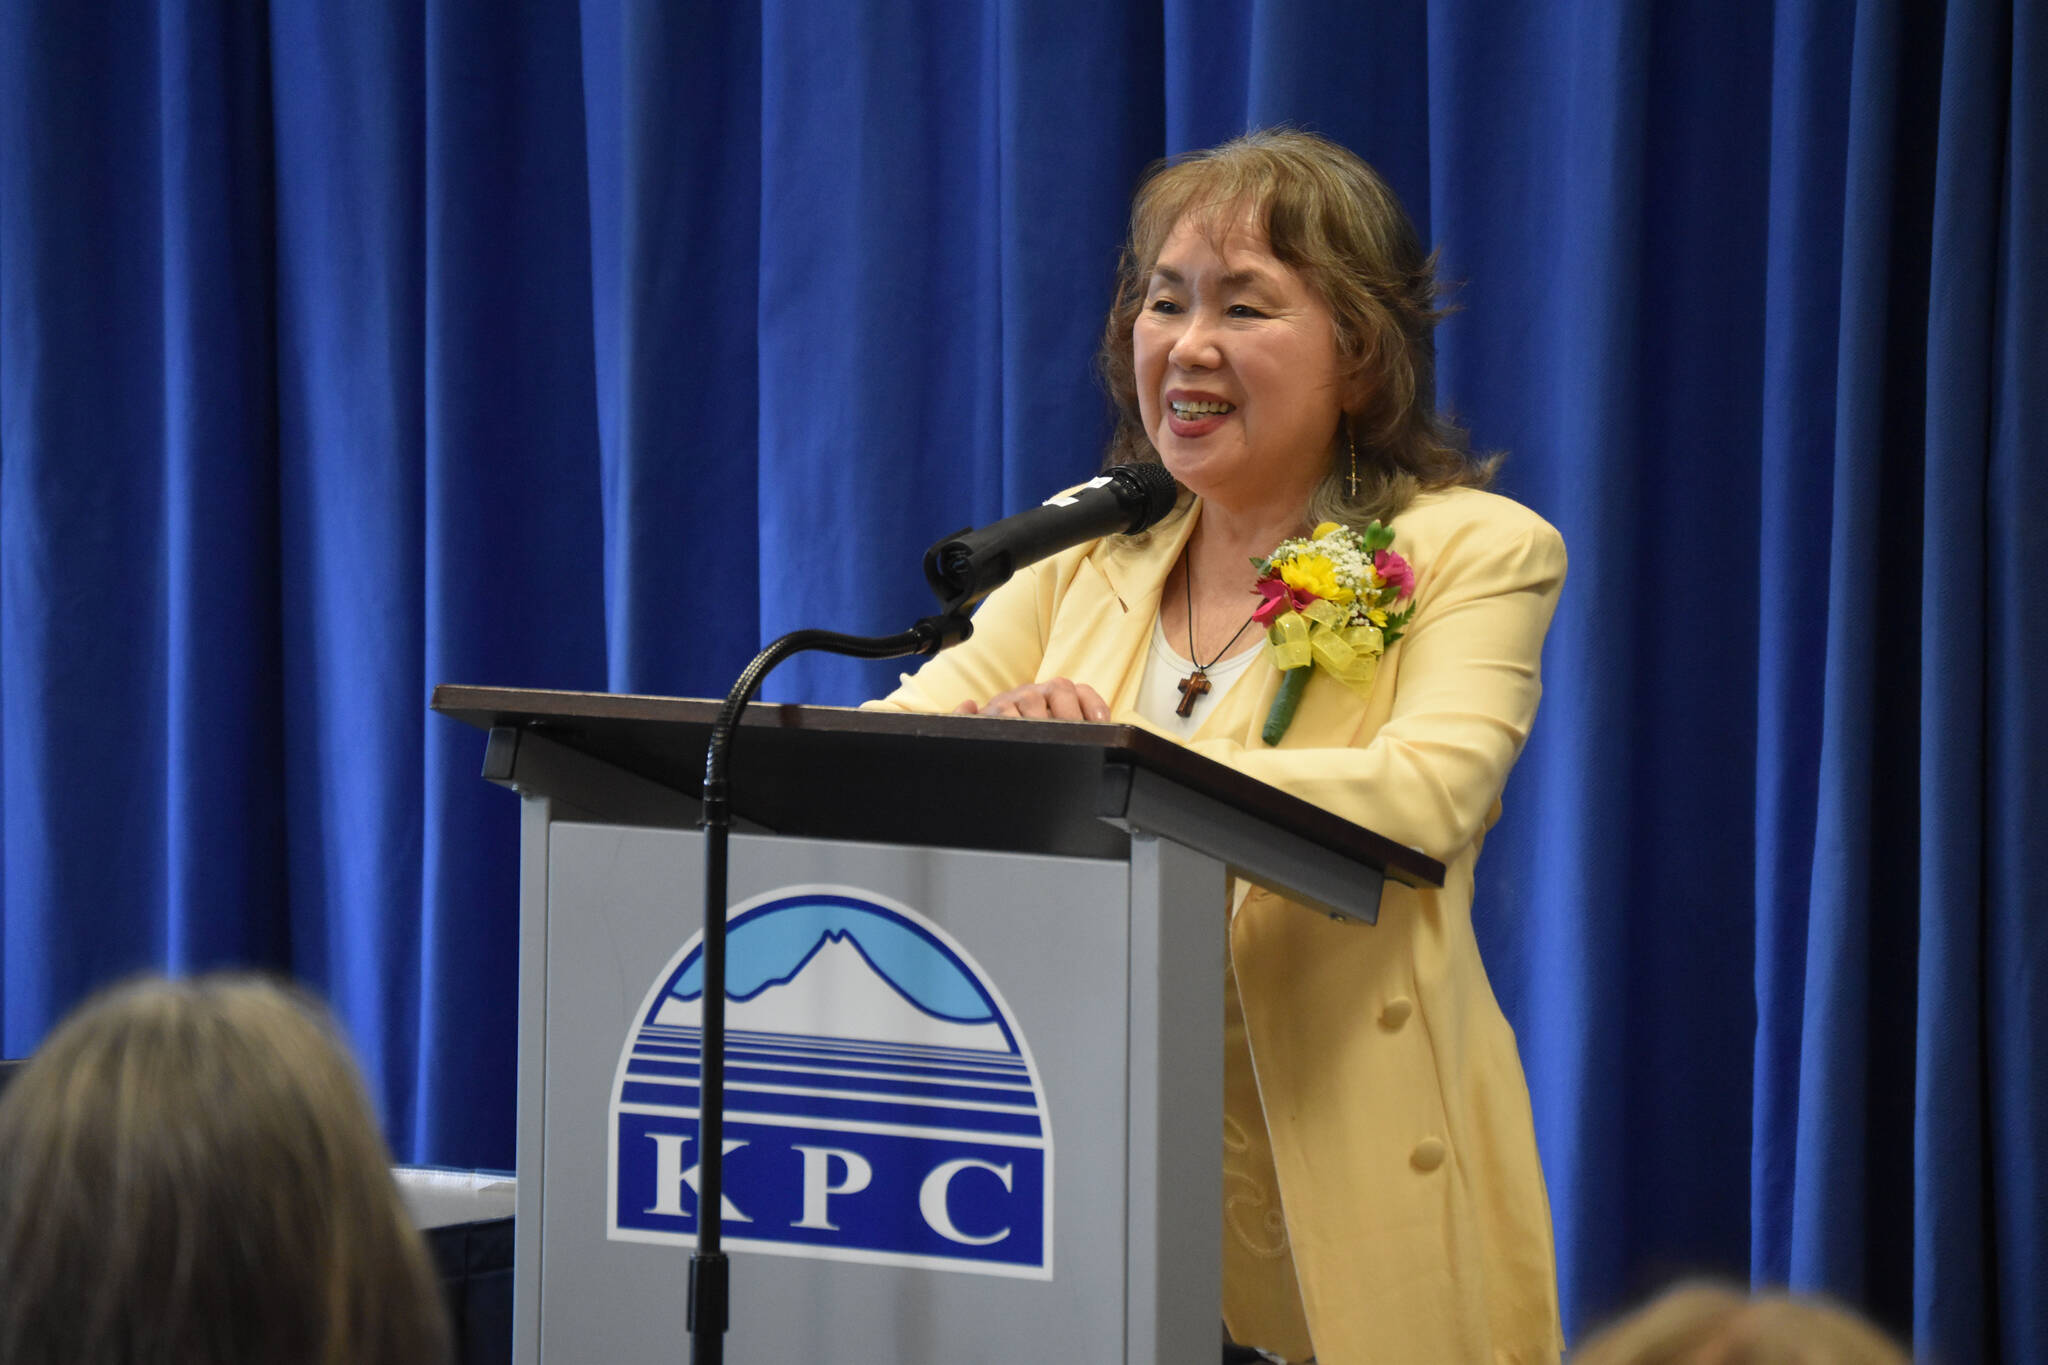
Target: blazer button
[
  {"x": 1396, "y": 1012},
  {"x": 1428, "y": 1154}
]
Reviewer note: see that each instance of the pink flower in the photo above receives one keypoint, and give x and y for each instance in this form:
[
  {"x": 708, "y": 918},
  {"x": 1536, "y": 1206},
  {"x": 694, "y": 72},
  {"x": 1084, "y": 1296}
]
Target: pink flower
[
  {"x": 1394, "y": 569},
  {"x": 1279, "y": 598}
]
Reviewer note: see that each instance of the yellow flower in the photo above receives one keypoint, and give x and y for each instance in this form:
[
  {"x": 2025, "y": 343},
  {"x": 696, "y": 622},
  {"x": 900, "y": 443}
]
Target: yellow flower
[
  {"x": 1324, "y": 529},
  {"x": 1314, "y": 574}
]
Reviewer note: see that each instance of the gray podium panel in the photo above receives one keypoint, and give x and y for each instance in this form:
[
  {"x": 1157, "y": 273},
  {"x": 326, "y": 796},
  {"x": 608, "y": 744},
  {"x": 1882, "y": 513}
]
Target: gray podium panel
[{"x": 967, "y": 1194}]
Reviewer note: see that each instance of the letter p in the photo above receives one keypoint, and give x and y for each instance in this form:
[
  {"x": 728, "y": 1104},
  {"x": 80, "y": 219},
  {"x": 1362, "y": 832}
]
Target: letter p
[{"x": 818, "y": 1186}]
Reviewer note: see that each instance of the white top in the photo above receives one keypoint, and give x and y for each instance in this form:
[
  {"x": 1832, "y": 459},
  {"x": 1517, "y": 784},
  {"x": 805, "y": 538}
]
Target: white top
[{"x": 1159, "y": 689}]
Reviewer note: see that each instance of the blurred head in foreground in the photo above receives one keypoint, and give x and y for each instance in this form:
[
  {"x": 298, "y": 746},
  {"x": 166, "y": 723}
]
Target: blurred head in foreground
[
  {"x": 1711, "y": 1324},
  {"x": 190, "y": 1173}
]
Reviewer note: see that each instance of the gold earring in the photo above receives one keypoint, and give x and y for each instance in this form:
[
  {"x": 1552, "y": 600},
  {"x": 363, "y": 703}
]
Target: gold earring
[{"x": 1351, "y": 446}]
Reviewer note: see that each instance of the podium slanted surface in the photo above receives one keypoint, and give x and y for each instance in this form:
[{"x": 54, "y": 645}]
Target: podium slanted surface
[{"x": 974, "y": 1091}]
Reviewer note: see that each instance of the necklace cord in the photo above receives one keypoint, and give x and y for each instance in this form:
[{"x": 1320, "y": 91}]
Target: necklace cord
[{"x": 1188, "y": 582}]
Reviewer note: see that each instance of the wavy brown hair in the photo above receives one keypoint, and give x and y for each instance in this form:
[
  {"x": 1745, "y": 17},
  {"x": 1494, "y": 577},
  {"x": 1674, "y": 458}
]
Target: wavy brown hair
[
  {"x": 1331, "y": 218},
  {"x": 190, "y": 1175}
]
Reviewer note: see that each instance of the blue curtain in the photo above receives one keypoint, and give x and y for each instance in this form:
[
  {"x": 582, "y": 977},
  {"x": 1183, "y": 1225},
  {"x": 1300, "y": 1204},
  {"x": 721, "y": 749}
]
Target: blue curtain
[{"x": 349, "y": 349}]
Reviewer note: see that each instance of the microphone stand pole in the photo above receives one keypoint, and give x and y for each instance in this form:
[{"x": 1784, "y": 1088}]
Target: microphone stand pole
[{"x": 710, "y": 1277}]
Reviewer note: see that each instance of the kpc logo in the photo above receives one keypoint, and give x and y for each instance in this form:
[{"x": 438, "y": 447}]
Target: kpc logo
[{"x": 881, "y": 1103}]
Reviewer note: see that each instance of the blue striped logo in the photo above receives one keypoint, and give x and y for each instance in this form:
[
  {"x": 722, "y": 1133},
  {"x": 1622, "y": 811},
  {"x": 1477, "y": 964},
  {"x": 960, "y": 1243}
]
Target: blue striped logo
[{"x": 881, "y": 1103}]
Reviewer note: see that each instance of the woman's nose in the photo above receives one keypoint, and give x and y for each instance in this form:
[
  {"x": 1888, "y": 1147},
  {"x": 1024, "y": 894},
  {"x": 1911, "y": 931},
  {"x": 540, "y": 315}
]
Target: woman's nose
[{"x": 1195, "y": 347}]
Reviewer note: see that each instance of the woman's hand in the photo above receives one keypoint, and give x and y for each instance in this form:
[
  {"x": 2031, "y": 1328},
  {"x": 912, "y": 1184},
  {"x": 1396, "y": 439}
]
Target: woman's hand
[{"x": 1054, "y": 699}]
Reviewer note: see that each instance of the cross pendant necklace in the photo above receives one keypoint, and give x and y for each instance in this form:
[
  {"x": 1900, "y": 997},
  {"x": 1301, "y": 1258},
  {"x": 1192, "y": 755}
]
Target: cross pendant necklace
[{"x": 1195, "y": 684}]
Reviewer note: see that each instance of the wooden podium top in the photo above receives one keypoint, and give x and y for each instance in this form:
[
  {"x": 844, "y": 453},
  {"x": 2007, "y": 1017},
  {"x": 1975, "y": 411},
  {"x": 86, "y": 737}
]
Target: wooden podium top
[{"x": 957, "y": 781}]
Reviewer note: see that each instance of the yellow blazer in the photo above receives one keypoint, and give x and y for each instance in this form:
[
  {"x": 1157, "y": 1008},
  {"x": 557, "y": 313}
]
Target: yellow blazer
[{"x": 1382, "y": 1195}]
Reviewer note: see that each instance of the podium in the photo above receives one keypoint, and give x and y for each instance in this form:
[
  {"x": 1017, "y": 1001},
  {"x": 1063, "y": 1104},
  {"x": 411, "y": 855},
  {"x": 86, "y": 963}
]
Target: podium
[{"x": 974, "y": 1077}]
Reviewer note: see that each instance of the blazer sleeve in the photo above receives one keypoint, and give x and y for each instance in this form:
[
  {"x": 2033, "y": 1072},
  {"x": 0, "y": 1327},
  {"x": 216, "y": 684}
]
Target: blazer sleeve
[
  {"x": 1004, "y": 651},
  {"x": 1466, "y": 692}
]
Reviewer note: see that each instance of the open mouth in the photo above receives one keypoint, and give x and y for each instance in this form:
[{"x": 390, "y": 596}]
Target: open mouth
[{"x": 1194, "y": 412}]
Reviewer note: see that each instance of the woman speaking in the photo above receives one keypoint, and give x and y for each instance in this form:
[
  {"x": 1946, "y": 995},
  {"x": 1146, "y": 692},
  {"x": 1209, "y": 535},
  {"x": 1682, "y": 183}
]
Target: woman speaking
[{"x": 1336, "y": 608}]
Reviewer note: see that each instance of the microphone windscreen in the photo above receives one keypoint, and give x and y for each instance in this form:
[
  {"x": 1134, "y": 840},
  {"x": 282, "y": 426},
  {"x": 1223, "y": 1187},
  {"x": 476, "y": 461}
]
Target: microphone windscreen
[{"x": 1153, "y": 493}]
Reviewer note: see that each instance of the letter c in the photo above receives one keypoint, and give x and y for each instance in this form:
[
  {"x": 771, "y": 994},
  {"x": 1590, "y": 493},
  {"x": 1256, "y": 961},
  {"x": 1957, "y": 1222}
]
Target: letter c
[{"x": 932, "y": 1195}]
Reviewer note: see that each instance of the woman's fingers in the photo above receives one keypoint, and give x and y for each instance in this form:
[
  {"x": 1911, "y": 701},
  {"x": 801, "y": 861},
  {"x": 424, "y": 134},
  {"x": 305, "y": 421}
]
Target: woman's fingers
[
  {"x": 1054, "y": 699},
  {"x": 1077, "y": 701}
]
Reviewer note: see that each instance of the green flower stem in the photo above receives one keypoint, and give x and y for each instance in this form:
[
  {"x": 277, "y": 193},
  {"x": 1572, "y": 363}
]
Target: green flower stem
[{"x": 1293, "y": 682}]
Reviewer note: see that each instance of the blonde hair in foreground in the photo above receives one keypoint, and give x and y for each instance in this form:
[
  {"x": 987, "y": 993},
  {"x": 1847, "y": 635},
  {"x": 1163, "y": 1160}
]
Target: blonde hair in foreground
[
  {"x": 190, "y": 1174},
  {"x": 1331, "y": 218},
  {"x": 1711, "y": 1324}
]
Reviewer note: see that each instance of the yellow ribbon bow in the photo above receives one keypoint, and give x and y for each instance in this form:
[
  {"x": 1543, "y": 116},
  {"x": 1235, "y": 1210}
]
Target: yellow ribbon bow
[
  {"x": 1318, "y": 634},
  {"x": 1287, "y": 641}
]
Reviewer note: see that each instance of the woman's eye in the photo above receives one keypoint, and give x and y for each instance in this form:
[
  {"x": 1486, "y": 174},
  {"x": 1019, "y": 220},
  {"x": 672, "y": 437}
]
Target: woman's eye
[
  {"x": 1244, "y": 310},
  {"x": 1162, "y": 306}
]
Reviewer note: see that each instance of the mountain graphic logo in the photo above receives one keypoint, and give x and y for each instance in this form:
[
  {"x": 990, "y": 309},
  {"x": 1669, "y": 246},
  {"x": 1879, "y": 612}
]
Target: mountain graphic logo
[{"x": 881, "y": 1103}]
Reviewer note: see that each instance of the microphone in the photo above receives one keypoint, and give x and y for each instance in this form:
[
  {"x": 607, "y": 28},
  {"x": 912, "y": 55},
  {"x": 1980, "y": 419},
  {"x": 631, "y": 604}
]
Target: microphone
[{"x": 968, "y": 566}]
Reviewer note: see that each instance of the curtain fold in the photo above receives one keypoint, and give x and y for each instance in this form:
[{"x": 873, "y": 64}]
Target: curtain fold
[
  {"x": 509, "y": 511},
  {"x": 1863, "y": 879},
  {"x": 1948, "y": 1104},
  {"x": 2012, "y": 1015},
  {"x": 144, "y": 590},
  {"x": 671, "y": 124},
  {"x": 348, "y": 350},
  {"x": 1802, "y": 312},
  {"x": 350, "y": 456}
]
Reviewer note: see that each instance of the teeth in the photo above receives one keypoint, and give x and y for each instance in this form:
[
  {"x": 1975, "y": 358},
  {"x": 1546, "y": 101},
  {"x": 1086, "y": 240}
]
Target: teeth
[{"x": 1203, "y": 409}]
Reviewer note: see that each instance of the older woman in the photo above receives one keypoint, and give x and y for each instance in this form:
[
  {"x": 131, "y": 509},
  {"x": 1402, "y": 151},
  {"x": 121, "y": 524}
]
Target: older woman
[{"x": 1270, "y": 342}]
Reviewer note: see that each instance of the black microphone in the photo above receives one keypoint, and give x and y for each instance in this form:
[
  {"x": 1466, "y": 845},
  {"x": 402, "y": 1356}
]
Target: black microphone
[{"x": 968, "y": 566}]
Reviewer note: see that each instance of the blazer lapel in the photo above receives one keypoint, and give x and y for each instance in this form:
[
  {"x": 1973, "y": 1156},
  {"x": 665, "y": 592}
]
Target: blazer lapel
[{"x": 1133, "y": 576}]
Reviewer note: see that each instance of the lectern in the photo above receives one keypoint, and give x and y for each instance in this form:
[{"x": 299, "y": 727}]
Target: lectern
[{"x": 974, "y": 1090}]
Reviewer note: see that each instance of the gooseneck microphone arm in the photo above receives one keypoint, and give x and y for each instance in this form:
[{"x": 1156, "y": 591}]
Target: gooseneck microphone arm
[
  {"x": 961, "y": 569},
  {"x": 710, "y": 1273}
]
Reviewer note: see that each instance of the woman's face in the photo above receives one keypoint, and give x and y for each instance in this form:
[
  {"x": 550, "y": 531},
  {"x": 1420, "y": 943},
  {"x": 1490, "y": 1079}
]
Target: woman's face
[{"x": 1239, "y": 381}]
